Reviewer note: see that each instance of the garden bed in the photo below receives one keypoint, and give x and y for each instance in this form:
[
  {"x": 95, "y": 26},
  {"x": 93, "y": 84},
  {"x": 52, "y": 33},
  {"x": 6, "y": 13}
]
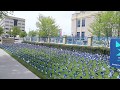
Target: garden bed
[{"x": 48, "y": 62}]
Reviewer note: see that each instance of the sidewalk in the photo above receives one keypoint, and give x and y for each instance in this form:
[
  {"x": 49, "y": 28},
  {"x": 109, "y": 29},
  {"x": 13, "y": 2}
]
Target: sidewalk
[{"x": 12, "y": 69}]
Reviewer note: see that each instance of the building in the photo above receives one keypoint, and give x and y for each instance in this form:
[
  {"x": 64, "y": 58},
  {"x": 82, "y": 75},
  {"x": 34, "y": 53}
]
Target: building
[
  {"x": 8, "y": 22},
  {"x": 81, "y": 21}
]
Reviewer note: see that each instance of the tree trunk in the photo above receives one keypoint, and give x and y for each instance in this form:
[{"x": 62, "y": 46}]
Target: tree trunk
[{"x": 107, "y": 38}]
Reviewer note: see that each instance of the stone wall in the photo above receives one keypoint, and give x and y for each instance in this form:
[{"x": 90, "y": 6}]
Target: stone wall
[{"x": 7, "y": 40}]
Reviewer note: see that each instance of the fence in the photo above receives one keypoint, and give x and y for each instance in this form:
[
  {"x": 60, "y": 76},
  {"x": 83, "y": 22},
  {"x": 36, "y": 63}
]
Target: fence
[
  {"x": 69, "y": 40},
  {"x": 101, "y": 41}
]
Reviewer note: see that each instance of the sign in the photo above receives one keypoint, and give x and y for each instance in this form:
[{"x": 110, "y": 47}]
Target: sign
[{"x": 115, "y": 53}]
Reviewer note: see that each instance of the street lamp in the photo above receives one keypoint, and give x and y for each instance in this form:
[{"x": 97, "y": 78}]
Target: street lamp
[{"x": 11, "y": 32}]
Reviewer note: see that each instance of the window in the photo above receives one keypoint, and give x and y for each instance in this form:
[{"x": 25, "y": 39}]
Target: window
[
  {"x": 15, "y": 22},
  {"x": 19, "y": 23},
  {"x": 78, "y": 34},
  {"x": 83, "y": 22},
  {"x": 82, "y": 35},
  {"x": 7, "y": 21},
  {"x": 11, "y": 25},
  {"x": 7, "y": 28},
  {"x": 6, "y": 25},
  {"x": 78, "y": 23}
]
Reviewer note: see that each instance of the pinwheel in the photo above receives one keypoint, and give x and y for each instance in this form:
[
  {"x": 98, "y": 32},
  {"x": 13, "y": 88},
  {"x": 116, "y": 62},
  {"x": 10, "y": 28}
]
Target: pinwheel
[{"x": 61, "y": 63}]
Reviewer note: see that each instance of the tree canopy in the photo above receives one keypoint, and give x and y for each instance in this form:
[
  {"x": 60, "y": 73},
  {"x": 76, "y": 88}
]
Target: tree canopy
[
  {"x": 103, "y": 24},
  {"x": 23, "y": 34},
  {"x": 47, "y": 27},
  {"x": 15, "y": 31},
  {"x": 106, "y": 24},
  {"x": 32, "y": 33}
]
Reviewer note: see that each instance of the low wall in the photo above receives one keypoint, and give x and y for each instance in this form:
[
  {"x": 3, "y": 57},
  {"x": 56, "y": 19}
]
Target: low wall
[{"x": 7, "y": 40}]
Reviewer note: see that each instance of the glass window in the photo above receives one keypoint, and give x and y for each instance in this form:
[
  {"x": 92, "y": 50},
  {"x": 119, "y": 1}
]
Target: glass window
[
  {"x": 83, "y": 22},
  {"x": 15, "y": 22},
  {"x": 6, "y": 25},
  {"x": 7, "y": 21},
  {"x": 7, "y": 28},
  {"x": 83, "y": 35},
  {"x": 78, "y": 23},
  {"x": 78, "y": 34}
]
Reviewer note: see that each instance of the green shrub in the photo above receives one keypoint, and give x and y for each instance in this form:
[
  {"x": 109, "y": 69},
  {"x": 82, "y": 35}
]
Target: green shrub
[{"x": 89, "y": 49}]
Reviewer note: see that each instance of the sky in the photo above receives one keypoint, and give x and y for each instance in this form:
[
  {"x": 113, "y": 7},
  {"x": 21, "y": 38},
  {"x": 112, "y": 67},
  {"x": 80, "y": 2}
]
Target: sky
[{"x": 62, "y": 18}]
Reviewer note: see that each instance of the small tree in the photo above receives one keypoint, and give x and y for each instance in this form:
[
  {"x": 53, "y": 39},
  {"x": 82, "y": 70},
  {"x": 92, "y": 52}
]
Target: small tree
[
  {"x": 23, "y": 34},
  {"x": 15, "y": 31},
  {"x": 103, "y": 24},
  {"x": 47, "y": 27},
  {"x": 32, "y": 33}
]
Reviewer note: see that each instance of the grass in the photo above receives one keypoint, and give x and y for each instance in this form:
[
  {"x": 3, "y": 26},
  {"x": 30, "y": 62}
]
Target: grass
[{"x": 54, "y": 59}]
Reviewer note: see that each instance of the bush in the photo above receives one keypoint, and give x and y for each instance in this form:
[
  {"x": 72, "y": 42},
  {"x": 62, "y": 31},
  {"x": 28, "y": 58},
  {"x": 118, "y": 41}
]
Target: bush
[{"x": 89, "y": 49}]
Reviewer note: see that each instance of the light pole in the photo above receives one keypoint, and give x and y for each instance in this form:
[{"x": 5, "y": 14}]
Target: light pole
[{"x": 11, "y": 32}]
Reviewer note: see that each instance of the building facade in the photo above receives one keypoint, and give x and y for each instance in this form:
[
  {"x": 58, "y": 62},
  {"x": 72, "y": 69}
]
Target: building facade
[
  {"x": 8, "y": 22},
  {"x": 81, "y": 21}
]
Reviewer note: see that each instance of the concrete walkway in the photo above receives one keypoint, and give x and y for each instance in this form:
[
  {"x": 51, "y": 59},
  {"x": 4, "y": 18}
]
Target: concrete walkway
[{"x": 12, "y": 69}]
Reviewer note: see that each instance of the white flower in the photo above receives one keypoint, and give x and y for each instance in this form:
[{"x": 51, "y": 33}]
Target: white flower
[
  {"x": 118, "y": 70},
  {"x": 118, "y": 77}
]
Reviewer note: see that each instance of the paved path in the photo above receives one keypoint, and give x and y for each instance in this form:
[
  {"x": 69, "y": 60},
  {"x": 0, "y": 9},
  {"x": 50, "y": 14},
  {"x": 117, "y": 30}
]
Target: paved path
[{"x": 12, "y": 69}]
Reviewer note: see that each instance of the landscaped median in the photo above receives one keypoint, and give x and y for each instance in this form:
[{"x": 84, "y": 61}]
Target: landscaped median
[{"x": 57, "y": 61}]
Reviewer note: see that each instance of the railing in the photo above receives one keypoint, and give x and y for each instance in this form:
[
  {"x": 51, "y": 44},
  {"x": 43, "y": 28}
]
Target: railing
[
  {"x": 69, "y": 40},
  {"x": 101, "y": 41}
]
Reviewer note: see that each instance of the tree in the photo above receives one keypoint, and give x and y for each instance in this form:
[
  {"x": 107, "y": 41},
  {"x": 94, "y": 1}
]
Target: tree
[
  {"x": 5, "y": 13},
  {"x": 116, "y": 21},
  {"x": 96, "y": 27},
  {"x": 1, "y": 31},
  {"x": 15, "y": 31},
  {"x": 32, "y": 33},
  {"x": 23, "y": 34},
  {"x": 47, "y": 27},
  {"x": 103, "y": 24}
]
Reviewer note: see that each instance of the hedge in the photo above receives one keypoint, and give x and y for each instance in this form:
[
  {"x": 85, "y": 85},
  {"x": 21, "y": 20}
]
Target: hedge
[{"x": 88, "y": 49}]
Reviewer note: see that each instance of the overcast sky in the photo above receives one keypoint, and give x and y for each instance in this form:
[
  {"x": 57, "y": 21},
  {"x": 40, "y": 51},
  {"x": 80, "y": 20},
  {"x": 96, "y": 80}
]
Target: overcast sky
[{"x": 62, "y": 18}]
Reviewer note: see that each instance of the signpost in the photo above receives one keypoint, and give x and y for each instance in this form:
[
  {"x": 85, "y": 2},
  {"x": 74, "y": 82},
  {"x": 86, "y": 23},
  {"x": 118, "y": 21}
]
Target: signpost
[{"x": 115, "y": 53}]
